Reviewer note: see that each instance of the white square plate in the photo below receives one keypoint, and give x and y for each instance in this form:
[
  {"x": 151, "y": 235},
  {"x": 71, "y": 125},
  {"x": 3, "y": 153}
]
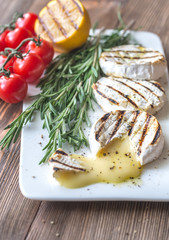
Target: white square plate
[{"x": 36, "y": 181}]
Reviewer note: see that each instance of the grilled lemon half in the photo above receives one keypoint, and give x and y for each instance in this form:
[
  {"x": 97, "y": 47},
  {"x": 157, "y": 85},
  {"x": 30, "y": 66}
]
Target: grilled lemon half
[{"x": 65, "y": 23}]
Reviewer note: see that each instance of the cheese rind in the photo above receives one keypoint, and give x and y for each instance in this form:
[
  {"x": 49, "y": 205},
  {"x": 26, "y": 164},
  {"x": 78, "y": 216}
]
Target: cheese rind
[
  {"x": 116, "y": 93},
  {"x": 143, "y": 129},
  {"x": 133, "y": 61},
  {"x": 60, "y": 160}
]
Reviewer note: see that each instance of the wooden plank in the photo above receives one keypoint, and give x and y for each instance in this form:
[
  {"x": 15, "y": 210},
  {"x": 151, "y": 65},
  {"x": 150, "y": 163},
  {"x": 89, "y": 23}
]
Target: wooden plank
[
  {"x": 16, "y": 212},
  {"x": 8, "y": 113},
  {"x": 150, "y": 16},
  {"x": 8, "y": 8},
  {"x": 102, "y": 220}
]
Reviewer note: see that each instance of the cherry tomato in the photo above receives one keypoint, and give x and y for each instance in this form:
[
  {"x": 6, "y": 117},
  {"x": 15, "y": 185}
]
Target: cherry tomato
[
  {"x": 9, "y": 65},
  {"x": 2, "y": 39},
  {"x": 13, "y": 89},
  {"x": 45, "y": 50},
  {"x": 2, "y": 46},
  {"x": 27, "y": 21},
  {"x": 30, "y": 67},
  {"x": 15, "y": 37}
]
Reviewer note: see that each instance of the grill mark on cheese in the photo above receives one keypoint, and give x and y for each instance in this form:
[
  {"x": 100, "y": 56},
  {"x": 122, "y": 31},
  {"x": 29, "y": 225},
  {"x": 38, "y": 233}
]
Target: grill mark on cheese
[
  {"x": 148, "y": 89},
  {"x": 108, "y": 58},
  {"x": 117, "y": 125},
  {"x": 135, "y": 95},
  {"x": 133, "y": 122},
  {"x": 158, "y": 86},
  {"x": 142, "y": 128},
  {"x": 157, "y": 135},
  {"x": 131, "y": 54},
  {"x": 66, "y": 165},
  {"x": 44, "y": 26},
  {"x": 125, "y": 96},
  {"x": 78, "y": 7},
  {"x": 61, "y": 29},
  {"x": 144, "y": 133},
  {"x": 60, "y": 151},
  {"x": 103, "y": 95},
  {"x": 133, "y": 51},
  {"x": 66, "y": 11},
  {"x": 131, "y": 88},
  {"x": 130, "y": 57},
  {"x": 118, "y": 56},
  {"x": 105, "y": 117},
  {"x": 117, "y": 62},
  {"x": 103, "y": 120}
]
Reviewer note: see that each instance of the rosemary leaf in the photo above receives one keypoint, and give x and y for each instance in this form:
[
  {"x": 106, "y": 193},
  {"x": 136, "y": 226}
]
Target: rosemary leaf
[{"x": 66, "y": 94}]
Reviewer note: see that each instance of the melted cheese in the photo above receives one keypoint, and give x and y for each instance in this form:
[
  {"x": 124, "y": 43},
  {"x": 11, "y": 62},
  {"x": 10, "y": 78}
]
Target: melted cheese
[{"x": 113, "y": 164}]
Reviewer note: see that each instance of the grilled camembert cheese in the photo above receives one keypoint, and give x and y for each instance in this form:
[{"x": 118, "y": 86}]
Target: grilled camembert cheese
[
  {"x": 60, "y": 160},
  {"x": 133, "y": 61},
  {"x": 121, "y": 141},
  {"x": 116, "y": 93},
  {"x": 141, "y": 128},
  {"x": 72, "y": 170}
]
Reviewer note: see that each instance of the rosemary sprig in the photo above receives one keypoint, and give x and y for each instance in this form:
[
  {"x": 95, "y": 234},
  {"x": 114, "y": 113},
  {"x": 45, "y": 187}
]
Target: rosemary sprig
[{"x": 66, "y": 94}]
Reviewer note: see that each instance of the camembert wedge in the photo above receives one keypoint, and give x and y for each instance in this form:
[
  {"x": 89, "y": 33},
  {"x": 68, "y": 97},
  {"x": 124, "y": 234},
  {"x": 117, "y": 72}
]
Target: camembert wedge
[
  {"x": 134, "y": 62},
  {"x": 60, "y": 160},
  {"x": 141, "y": 128},
  {"x": 116, "y": 93},
  {"x": 73, "y": 170}
]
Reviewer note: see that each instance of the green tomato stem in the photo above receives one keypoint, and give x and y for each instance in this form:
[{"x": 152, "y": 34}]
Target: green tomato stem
[{"x": 17, "y": 53}]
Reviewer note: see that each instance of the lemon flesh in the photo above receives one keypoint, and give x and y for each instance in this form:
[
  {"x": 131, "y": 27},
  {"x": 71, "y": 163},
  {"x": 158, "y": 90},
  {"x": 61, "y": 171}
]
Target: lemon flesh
[{"x": 64, "y": 23}]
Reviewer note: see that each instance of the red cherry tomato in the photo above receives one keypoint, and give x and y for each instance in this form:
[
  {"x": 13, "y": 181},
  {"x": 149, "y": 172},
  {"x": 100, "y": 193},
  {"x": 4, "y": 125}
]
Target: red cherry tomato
[
  {"x": 2, "y": 39},
  {"x": 13, "y": 89},
  {"x": 30, "y": 67},
  {"x": 15, "y": 37},
  {"x": 2, "y": 46},
  {"x": 45, "y": 50},
  {"x": 9, "y": 65},
  {"x": 27, "y": 21}
]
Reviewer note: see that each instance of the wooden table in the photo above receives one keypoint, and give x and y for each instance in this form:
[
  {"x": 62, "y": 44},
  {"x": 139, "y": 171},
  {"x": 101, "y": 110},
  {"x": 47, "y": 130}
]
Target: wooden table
[{"x": 21, "y": 218}]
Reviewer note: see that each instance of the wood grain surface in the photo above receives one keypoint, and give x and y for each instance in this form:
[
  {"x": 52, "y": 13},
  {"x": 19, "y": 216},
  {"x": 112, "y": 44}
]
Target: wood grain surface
[{"x": 21, "y": 218}]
